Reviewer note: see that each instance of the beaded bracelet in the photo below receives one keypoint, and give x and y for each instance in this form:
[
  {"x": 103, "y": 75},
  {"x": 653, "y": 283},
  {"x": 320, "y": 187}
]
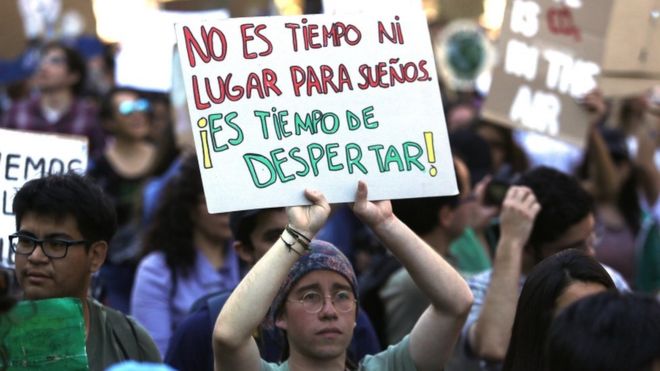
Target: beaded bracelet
[{"x": 303, "y": 240}]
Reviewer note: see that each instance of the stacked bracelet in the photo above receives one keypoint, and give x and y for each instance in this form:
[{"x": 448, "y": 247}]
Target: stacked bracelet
[
  {"x": 303, "y": 240},
  {"x": 289, "y": 246}
]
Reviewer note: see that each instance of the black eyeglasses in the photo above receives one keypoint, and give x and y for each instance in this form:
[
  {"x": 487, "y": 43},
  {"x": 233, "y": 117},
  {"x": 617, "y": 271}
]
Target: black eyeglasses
[
  {"x": 54, "y": 248},
  {"x": 313, "y": 301}
]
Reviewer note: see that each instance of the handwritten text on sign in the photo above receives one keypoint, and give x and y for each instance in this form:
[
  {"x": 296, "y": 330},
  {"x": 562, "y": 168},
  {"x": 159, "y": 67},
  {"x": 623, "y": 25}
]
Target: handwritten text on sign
[
  {"x": 25, "y": 156},
  {"x": 283, "y": 103},
  {"x": 552, "y": 53}
]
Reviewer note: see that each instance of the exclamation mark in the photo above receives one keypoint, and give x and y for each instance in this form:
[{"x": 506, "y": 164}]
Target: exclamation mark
[
  {"x": 201, "y": 123},
  {"x": 430, "y": 151}
]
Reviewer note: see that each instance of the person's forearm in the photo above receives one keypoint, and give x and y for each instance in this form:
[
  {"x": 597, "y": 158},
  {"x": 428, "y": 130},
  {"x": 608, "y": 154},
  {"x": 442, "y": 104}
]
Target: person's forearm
[
  {"x": 249, "y": 303},
  {"x": 489, "y": 337}
]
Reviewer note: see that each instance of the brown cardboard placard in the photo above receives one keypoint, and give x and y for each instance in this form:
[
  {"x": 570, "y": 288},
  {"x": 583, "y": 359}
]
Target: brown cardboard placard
[{"x": 550, "y": 57}]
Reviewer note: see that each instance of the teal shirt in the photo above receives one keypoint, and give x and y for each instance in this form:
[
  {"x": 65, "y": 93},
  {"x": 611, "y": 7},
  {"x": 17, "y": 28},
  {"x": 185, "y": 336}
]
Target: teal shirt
[{"x": 395, "y": 358}]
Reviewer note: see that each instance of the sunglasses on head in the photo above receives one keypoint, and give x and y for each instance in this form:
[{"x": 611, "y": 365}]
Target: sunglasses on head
[{"x": 129, "y": 106}]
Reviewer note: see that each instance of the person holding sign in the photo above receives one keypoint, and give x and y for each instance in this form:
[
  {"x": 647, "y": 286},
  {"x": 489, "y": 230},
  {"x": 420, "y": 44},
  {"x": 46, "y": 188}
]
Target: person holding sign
[
  {"x": 64, "y": 223},
  {"x": 312, "y": 289}
]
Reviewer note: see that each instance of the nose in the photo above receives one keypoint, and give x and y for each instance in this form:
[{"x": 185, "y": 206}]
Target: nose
[
  {"x": 328, "y": 309},
  {"x": 38, "y": 254}
]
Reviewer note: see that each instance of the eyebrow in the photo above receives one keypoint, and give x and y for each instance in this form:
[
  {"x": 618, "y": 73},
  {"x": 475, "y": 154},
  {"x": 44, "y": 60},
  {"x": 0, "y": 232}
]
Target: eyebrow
[
  {"x": 56, "y": 235},
  {"x": 316, "y": 286}
]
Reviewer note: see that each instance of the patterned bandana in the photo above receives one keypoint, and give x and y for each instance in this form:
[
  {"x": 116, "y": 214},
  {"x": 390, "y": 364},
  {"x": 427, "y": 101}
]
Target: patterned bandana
[{"x": 323, "y": 256}]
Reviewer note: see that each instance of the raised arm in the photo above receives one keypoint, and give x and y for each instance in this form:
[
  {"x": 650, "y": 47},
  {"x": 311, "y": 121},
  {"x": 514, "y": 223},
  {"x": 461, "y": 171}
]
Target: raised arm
[
  {"x": 433, "y": 337},
  {"x": 489, "y": 336},
  {"x": 233, "y": 345}
]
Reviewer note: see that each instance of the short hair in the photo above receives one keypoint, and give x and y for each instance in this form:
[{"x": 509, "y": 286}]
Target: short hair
[
  {"x": 243, "y": 223},
  {"x": 563, "y": 201},
  {"x": 606, "y": 332},
  {"x": 421, "y": 214},
  {"x": 69, "y": 194},
  {"x": 536, "y": 305},
  {"x": 74, "y": 61}
]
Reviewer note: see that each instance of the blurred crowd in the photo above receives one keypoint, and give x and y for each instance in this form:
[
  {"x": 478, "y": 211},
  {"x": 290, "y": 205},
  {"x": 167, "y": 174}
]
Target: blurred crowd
[{"x": 170, "y": 258}]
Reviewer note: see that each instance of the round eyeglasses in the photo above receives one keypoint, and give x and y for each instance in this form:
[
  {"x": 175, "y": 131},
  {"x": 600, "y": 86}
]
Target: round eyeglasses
[
  {"x": 53, "y": 248},
  {"x": 313, "y": 301}
]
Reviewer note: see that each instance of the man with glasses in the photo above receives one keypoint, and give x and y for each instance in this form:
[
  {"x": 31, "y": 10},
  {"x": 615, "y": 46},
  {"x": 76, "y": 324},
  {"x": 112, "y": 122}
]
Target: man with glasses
[
  {"x": 297, "y": 274},
  {"x": 59, "y": 106},
  {"x": 63, "y": 224},
  {"x": 255, "y": 232},
  {"x": 546, "y": 212}
]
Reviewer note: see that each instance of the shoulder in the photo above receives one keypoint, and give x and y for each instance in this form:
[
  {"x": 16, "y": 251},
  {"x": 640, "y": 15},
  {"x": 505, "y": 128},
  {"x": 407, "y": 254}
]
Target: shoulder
[
  {"x": 395, "y": 357},
  {"x": 153, "y": 260}
]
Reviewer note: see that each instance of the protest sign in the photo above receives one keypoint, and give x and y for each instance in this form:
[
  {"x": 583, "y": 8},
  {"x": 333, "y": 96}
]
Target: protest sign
[
  {"x": 279, "y": 104},
  {"x": 44, "y": 335},
  {"x": 550, "y": 58},
  {"x": 25, "y": 156}
]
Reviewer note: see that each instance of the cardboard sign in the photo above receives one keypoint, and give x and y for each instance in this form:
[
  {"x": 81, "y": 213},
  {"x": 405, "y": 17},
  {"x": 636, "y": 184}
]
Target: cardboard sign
[
  {"x": 44, "y": 335},
  {"x": 25, "y": 156},
  {"x": 550, "y": 57},
  {"x": 279, "y": 104}
]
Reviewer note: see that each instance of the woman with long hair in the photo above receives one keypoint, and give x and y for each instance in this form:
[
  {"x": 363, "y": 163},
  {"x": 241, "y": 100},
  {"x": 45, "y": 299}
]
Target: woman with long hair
[
  {"x": 554, "y": 284},
  {"x": 187, "y": 254}
]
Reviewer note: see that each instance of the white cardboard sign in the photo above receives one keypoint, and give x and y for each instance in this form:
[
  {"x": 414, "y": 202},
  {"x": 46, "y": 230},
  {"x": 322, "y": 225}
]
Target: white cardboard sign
[
  {"x": 279, "y": 104},
  {"x": 25, "y": 156}
]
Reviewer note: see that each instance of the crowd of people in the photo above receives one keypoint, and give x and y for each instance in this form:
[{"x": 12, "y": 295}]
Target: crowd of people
[{"x": 532, "y": 266}]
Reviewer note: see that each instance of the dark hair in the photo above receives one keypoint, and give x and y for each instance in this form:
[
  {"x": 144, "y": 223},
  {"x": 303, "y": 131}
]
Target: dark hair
[
  {"x": 243, "y": 223},
  {"x": 563, "y": 201},
  {"x": 421, "y": 214},
  {"x": 513, "y": 154},
  {"x": 171, "y": 229},
  {"x": 69, "y": 194},
  {"x": 609, "y": 331},
  {"x": 473, "y": 150},
  {"x": 627, "y": 199},
  {"x": 536, "y": 305},
  {"x": 74, "y": 61}
]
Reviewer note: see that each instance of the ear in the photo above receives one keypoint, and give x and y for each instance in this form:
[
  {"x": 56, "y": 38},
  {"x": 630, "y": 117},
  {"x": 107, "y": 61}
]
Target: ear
[
  {"x": 96, "y": 254},
  {"x": 445, "y": 216},
  {"x": 281, "y": 322},
  {"x": 244, "y": 252}
]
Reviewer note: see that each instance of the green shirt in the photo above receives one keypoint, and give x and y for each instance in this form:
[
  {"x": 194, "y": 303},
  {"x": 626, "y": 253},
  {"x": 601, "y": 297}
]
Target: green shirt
[
  {"x": 395, "y": 358},
  {"x": 114, "y": 337}
]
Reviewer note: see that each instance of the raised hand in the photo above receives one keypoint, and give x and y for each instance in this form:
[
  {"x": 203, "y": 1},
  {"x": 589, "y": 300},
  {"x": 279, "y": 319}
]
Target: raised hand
[
  {"x": 308, "y": 219},
  {"x": 372, "y": 213},
  {"x": 519, "y": 210}
]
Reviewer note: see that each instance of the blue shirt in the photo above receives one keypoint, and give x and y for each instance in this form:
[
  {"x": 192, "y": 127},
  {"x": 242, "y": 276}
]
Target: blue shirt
[{"x": 160, "y": 307}]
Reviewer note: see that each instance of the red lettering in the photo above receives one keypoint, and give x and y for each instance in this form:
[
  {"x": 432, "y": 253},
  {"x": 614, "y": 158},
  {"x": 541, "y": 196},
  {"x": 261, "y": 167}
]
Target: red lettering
[
  {"x": 297, "y": 79},
  {"x": 270, "y": 82},
  {"x": 198, "y": 103},
  {"x": 207, "y": 39},
  {"x": 246, "y": 38},
  {"x": 257, "y": 32}
]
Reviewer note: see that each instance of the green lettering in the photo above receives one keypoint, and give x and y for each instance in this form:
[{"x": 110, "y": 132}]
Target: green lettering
[
  {"x": 282, "y": 121},
  {"x": 412, "y": 159},
  {"x": 331, "y": 152},
  {"x": 239, "y": 132},
  {"x": 293, "y": 154},
  {"x": 376, "y": 148},
  {"x": 277, "y": 163},
  {"x": 335, "y": 123},
  {"x": 249, "y": 158},
  {"x": 352, "y": 161},
  {"x": 391, "y": 156},
  {"x": 262, "y": 115},
  {"x": 367, "y": 114},
  {"x": 215, "y": 129},
  {"x": 308, "y": 125},
  {"x": 353, "y": 120},
  {"x": 314, "y": 159}
]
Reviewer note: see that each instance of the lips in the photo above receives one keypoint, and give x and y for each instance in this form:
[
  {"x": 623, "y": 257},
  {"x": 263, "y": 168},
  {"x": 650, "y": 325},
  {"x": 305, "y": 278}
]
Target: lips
[
  {"x": 329, "y": 331},
  {"x": 37, "y": 276}
]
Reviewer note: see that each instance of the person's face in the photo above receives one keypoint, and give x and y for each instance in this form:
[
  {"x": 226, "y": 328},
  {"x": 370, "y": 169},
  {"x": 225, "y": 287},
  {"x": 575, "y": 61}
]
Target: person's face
[
  {"x": 324, "y": 335},
  {"x": 581, "y": 235},
  {"x": 575, "y": 291},
  {"x": 496, "y": 142},
  {"x": 214, "y": 227},
  {"x": 42, "y": 277},
  {"x": 130, "y": 118},
  {"x": 53, "y": 72},
  {"x": 269, "y": 227}
]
